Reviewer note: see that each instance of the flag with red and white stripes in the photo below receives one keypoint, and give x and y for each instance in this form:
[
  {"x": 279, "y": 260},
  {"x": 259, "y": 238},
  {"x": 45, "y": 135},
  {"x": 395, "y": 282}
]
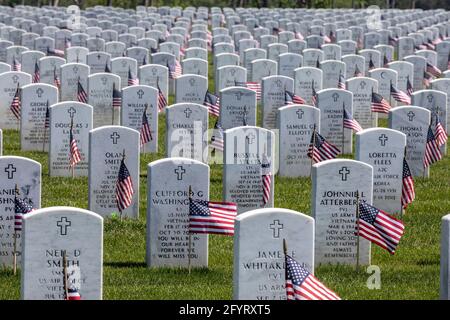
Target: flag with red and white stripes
[
  {"x": 408, "y": 193},
  {"x": 15, "y": 103},
  {"x": 357, "y": 72},
  {"x": 146, "y": 134},
  {"x": 217, "y": 137},
  {"x": 313, "y": 94},
  {"x": 399, "y": 95},
  {"x": 116, "y": 97},
  {"x": 350, "y": 122},
  {"x": 21, "y": 207},
  {"x": 47, "y": 117},
  {"x": 320, "y": 149},
  {"x": 132, "y": 79},
  {"x": 292, "y": 98},
  {"x": 37, "y": 73},
  {"x": 302, "y": 285},
  {"x": 379, "y": 227},
  {"x": 209, "y": 217},
  {"x": 81, "y": 93},
  {"x": 56, "y": 80},
  {"x": 409, "y": 87},
  {"x": 432, "y": 151},
  {"x": 433, "y": 70},
  {"x": 74, "y": 152},
  {"x": 440, "y": 133},
  {"x": 426, "y": 79},
  {"x": 266, "y": 176},
  {"x": 212, "y": 102},
  {"x": 124, "y": 187},
  {"x": 162, "y": 101},
  {"x": 17, "y": 66},
  {"x": 379, "y": 104},
  {"x": 341, "y": 81},
  {"x": 255, "y": 86},
  {"x": 73, "y": 294}
]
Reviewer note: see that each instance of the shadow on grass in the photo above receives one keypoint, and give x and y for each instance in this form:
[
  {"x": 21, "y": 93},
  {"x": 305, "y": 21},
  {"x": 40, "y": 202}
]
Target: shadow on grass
[{"x": 125, "y": 264}]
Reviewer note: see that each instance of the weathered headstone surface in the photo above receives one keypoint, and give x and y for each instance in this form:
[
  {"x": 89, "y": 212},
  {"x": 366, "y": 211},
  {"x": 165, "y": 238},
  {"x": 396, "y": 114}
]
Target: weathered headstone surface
[
  {"x": 36, "y": 98},
  {"x": 48, "y": 234},
  {"x": 237, "y": 104},
  {"x": 167, "y": 212},
  {"x": 335, "y": 184},
  {"x": 332, "y": 69},
  {"x": 263, "y": 68},
  {"x": 384, "y": 150},
  {"x": 100, "y": 97},
  {"x": 331, "y": 103},
  {"x": 60, "y": 120},
  {"x": 190, "y": 89},
  {"x": 107, "y": 146},
  {"x": 445, "y": 258},
  {"x": 304, "y": 80},
  {"x": 296, "y": 125},
  {"x": 420, "y": 64},
  {"x": 273, "y": 97},
  {"x": 155, "y": 75},
  {"x": 71, "y": 73},
  {"x": 26, "y": 174},
  {"x": 9, "y": 81},
  {"x": 405, "y": 72},
  {"x": 258, "y": 271},
  {"x": 242, "y": 158},
  {"x": 414, "y": 122},
  {"x": 362, "y": 88},
  {"x": 136, "y": 100},
  {"x": 186, "y": 125}
]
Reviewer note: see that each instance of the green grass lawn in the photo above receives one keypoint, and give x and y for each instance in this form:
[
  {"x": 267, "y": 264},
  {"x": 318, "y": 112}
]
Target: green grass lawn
[{"x": 413, "y": 273}]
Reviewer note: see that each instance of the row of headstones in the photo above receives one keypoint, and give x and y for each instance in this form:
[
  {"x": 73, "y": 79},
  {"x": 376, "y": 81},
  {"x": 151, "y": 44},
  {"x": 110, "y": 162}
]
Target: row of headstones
[{"x": 258, "y": 272}]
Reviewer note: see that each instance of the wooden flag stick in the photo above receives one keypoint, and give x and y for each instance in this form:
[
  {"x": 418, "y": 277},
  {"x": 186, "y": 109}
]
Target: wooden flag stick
[
  {"x": 123, "y": 158},
  {"x": 15, "y": 235},
  {"x": 403, "y": 209},
  {"x": 66, "y": 280},
  {"x": 312, "y": 149},
  {"x": 190, "y": 238},
  {"x": 357, "y": 230}
]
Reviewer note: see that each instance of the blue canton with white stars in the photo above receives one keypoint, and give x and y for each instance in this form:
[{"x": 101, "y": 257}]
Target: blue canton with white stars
[
  {"x": 367, "y": 212},
  {"x": 295, "y": 271},
  {"x": 199, "y": 208}
]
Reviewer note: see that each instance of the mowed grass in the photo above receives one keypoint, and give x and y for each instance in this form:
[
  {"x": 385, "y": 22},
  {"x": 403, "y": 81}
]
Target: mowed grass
[{"x": 413, "y": 273}]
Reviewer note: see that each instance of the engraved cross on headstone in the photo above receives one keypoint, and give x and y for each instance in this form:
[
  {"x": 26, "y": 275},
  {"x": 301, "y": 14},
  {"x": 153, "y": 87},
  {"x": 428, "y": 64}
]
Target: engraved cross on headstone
[
  {"x": 276, "y": 226},
  {"x": 383, "y": 138},
  {"x": 140, "y": 93},
  {"x": 10, "y": 170},
  {"x": 411, "y": 115},
  {"x": 188, "y": 112},
  {"x": 63, "y": 224},
  {"x": 300, "y": 113},
  {"x": 344, "y": 172},
  {"x": 335, "y": 96},
  {"x": 179, "y": 172},
  {"x": 71, "y": 111},
  {"x": 250, "y": 138},
  {"x": 115, "y": 136}
]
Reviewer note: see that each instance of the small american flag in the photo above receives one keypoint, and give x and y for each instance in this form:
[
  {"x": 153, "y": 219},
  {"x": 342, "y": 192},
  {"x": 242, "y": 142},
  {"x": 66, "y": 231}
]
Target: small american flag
[
  {"x": 292, "y": 98},
  {"x": 432, "y": 151},
  {"x": 175, "y": 69},
  {"x": 409, "y": 87},
  {"x": 146, "y": 134},
  {"x": 379, "y": 104},
  {"x": 67, "y": 43},
  {"x": 392, "y": 40},
  {"x": 399, "y": 95},
  {"x": 358, "y": 72},
  {"x": 426, "y": 79},
  {"x": 15, "y": 103},
  {"x": 213, "y": 103},
  {"x": 332, "y": 37},
  {"x": 124, "y": 187},
  {"x": 326, "y": 38},
  {"x": 37, "y": 73},
  {"x": 81, "y": 94},
  {"x": 441, "y": 135},
  {"x": 20, "y": 208},
  {"x": 107, "y": 69},
  {"x": 314, "y": 94},
  {"x": 17, "y": 66},
  {"x": 74, "y": 154},
  {"x": 299, "y": 35},
  {"x": 351, "y": 123},
  {"x": 320, "y": 149},
  {"x": 385, "y": 61},
  {"x": 429, "y": 45},
  {"x": 302, "y": 285},
  {"x": 408, "y": 193},
  {"x": 255, "y": 86},
  {"x": 132, "y": 79},
  {"x": 371, "y": 64},
  {"x": 73, "y": 294},
  {"x": 116, "y": 97},
  {"x": 217, "y": 137},
  {"x": 433, "y": 70},
  {"x": 266, "y": 176},
  {"x": 162, "y": 101},
  {"x": 56, "y": 80},
  {"x": 341, "y": 81},
  {"x": 47, "y": 117},
  {"x": 55, "y": 52},
  {"x": 379, "y": 227},
  {"x": 212, "y": 217}
]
